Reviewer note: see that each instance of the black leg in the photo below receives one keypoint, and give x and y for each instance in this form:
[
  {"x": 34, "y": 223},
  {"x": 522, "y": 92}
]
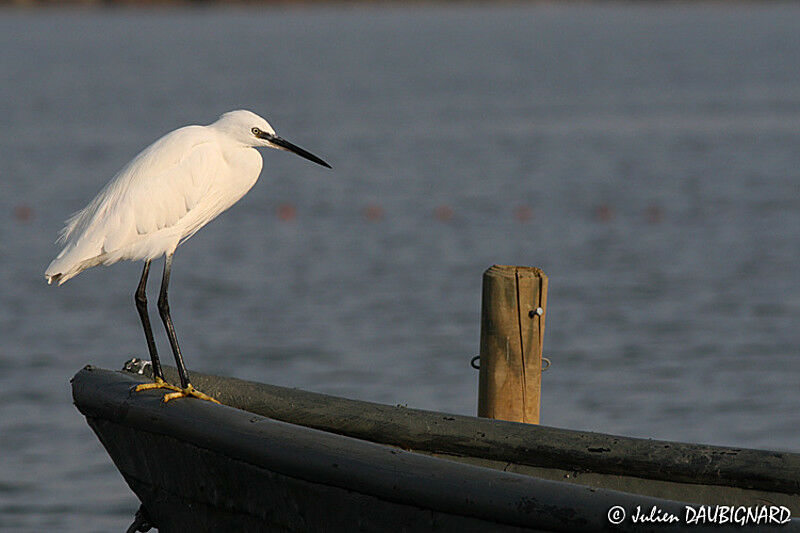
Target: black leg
[
  {"x": 163, "y": 309},
  {"x": 140, "y": 297}
]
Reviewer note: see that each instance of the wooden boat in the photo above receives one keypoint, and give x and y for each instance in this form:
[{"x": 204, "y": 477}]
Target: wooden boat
[{"x": 279, "y": 459}]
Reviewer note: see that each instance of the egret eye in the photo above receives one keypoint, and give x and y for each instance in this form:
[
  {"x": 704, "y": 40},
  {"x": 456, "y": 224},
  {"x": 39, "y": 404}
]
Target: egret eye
[{"x": 255, "y": 131}]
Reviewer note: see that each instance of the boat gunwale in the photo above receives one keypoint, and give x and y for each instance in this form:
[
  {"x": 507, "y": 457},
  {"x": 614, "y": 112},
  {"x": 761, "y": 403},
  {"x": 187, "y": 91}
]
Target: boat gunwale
[
  {"x": 321, "y": 457},
  {"x": 499, "y": 440}
]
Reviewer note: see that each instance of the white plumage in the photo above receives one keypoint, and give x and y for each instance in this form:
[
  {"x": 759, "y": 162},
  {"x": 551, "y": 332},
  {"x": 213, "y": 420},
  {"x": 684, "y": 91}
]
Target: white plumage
[
  {"x": 166, "y": 193},
  {"x": 162, "y": 197}
]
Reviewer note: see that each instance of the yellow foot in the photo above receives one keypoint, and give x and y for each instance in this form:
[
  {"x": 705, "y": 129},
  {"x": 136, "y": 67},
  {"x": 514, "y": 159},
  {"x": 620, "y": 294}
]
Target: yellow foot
[
  {"x": 189, "y": 391},
  {"x": 158, "y": 383}
]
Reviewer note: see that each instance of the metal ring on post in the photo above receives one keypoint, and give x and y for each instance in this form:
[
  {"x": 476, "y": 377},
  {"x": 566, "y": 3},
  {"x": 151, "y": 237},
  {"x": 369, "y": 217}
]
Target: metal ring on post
[{"x": 474, "y": 362}]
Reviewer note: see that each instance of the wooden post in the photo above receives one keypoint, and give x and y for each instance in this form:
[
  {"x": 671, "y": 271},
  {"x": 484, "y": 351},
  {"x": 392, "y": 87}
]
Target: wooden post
[{"x": 512, "y": 331}]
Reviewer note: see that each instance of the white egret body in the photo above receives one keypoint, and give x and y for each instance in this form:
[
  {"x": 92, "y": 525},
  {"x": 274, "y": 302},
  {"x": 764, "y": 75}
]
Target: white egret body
[
  {"x": 165, "y": 194},
  {"x": 162, "y": 197}
]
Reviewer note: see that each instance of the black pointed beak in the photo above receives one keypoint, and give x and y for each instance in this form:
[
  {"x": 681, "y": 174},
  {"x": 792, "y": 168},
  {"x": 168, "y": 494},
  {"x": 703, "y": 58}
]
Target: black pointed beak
[{"x": 283, "y": 144}]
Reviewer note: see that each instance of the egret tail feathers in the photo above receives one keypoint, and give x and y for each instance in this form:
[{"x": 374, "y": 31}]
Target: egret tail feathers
[{"x": 70, "y": 262}]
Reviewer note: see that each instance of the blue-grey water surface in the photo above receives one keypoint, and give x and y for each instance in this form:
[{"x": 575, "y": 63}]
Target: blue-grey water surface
[{"x": 646, "y": 157}]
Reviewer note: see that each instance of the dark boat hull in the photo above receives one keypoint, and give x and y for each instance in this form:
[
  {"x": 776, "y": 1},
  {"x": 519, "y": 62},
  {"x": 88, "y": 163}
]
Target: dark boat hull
[{"x": 203, "y": 467}]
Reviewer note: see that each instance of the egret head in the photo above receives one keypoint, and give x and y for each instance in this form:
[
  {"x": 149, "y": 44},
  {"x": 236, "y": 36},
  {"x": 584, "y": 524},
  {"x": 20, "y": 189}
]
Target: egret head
[{"x": 250, "y": 129}]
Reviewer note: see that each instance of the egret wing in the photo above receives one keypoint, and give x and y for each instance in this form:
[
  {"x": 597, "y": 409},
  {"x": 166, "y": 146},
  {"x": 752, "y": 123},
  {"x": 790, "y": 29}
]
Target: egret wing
[
  {"x": 161, "y": 201},
  {"x": 138, "y": 214}
]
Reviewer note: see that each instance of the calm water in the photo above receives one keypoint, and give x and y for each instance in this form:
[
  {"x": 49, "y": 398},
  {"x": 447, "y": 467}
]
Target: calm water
[{"x": 648, "y": 158}]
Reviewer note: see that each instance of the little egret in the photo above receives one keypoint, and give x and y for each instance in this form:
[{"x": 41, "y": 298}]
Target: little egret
[{"x": 162, "y": 197}]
